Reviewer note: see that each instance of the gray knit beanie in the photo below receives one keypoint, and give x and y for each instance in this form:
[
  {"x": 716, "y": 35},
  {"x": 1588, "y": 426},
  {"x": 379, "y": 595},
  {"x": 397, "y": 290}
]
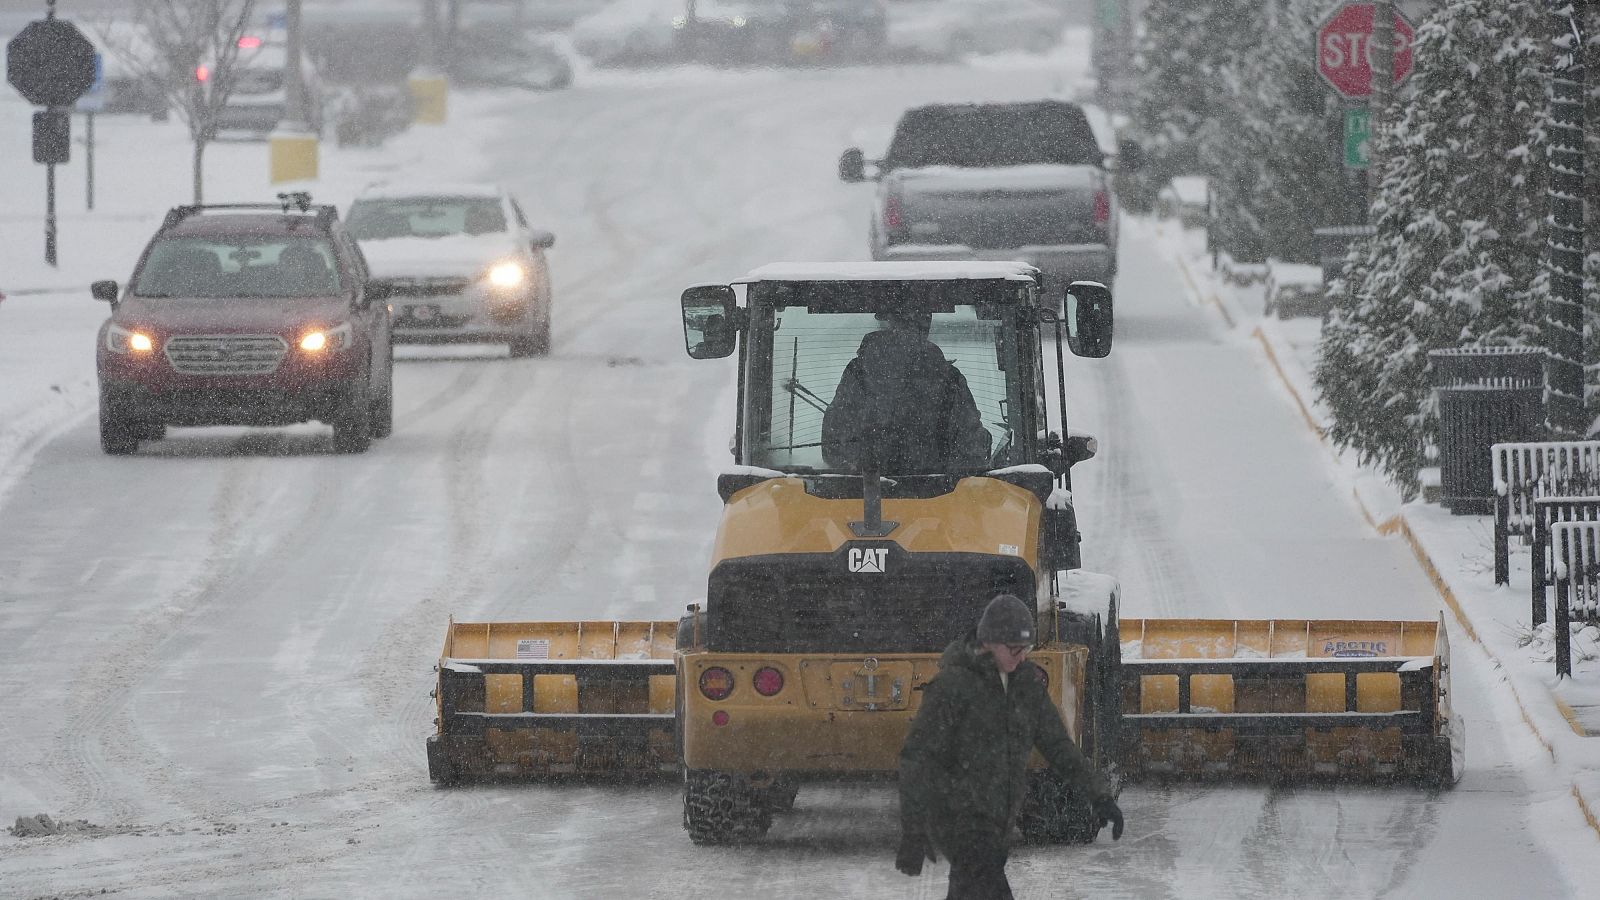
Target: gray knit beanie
[{"x": 1006, "y": 620}]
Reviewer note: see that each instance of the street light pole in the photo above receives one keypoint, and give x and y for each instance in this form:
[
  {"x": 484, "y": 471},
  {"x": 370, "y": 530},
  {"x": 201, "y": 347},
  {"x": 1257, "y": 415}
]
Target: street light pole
[
  {"x": 1378, "y": 100},
  {"x": 1563, "y": 323},
  {"x": 295, "y": 114},
  {"x": 292, "y": 148}
]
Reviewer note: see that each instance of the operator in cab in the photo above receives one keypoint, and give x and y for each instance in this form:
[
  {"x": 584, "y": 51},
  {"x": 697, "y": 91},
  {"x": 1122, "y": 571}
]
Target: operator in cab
[{"x": 903, "y": 403}]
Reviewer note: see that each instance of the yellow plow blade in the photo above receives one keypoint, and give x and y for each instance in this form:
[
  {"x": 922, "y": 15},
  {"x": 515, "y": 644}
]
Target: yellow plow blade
[
  {"x": 553, "y": 698},
  {"x": 1287, "y": 698}
]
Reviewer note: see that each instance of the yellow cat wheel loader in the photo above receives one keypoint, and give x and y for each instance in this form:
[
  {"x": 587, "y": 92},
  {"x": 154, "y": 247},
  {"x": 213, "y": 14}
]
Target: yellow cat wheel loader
[{"x": 897, "y": 465}]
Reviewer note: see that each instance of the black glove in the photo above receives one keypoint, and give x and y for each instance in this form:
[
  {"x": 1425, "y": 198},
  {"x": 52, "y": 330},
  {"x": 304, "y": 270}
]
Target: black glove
[
  {"x": 1107, "y": 813},
  {"x": 913, "y": 848}
]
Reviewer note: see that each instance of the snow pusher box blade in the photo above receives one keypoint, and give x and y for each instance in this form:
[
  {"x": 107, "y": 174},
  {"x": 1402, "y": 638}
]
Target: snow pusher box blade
[
  {"x": 1284, "y": 699},
  {"x": 554, "y": 698}
]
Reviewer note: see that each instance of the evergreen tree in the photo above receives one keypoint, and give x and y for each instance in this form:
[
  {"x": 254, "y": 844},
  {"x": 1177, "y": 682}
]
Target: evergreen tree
[
  {"x": 1276, "y": 151},
  {"x": 1184, "y": 57},
  {"x": 1458, "y": 254}
]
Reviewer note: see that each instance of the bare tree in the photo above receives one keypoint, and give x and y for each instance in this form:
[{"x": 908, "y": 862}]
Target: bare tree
[{"x": 187, "y": 51}]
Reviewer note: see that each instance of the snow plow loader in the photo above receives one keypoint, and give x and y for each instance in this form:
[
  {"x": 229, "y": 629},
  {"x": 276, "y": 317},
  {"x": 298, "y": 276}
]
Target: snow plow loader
[{"x": 848, "y": 556}]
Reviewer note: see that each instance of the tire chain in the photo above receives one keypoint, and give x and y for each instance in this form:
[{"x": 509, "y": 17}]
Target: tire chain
[{"x": 717, "y": 809}]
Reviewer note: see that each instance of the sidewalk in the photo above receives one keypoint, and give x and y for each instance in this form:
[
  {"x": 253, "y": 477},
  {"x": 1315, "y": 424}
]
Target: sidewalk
[{"x": 1455, "y": 551}]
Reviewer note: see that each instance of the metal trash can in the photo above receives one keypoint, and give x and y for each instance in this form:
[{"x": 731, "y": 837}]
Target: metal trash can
[{"x": 1487, "y": 396}]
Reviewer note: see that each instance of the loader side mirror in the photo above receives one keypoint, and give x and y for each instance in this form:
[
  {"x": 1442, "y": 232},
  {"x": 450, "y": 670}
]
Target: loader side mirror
[
  {"x": 852, "y": 166},
  {"x": 104, "y": 290},
  {"x": 1089, "y": 320},
  {"x": 710, "y": 316},
  {"x": 1081, "y": 447}
]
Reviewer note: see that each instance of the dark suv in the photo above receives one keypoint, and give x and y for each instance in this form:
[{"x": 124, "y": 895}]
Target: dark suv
[{"x": 251, "y": 314}]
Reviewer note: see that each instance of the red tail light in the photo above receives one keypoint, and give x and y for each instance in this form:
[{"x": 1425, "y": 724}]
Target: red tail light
[
  {"x": 201, "y": 73},
  {"x": 892, "y": 218},
  {"x": 767, "y": 681},
  {"x": 1102, "y": 207},
  {"x": 716, "y": 683}
]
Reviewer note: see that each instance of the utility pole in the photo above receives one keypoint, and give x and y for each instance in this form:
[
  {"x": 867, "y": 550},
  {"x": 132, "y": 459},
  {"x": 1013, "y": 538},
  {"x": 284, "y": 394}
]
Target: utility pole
[
  {"x": 428, "y": 85},
  {"x": 1378, "y": 101},
  {"x": 1563, "y": 323},
  {"x": 292, "y": 148}
]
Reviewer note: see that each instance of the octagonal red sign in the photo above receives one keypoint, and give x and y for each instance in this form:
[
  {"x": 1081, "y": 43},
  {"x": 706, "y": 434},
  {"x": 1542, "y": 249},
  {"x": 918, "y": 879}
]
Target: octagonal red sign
[{"x": 1344, "y": 49}]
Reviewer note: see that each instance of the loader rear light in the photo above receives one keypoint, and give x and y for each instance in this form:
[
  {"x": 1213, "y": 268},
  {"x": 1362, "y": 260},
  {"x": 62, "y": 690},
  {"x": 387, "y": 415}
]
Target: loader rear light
[
  {"x": 767, "y": 681},
  {"x": 719, "y": 718},
  {"x": 716, "y": 683},
  {"x": 1102, "y": 207}
]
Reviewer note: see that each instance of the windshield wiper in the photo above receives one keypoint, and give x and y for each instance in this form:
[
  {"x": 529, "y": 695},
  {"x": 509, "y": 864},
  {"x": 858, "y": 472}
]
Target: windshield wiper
[{"x": 807, "y": 396}]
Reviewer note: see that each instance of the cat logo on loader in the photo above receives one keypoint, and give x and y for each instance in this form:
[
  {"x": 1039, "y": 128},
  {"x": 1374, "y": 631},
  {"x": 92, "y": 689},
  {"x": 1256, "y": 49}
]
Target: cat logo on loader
[{"x": 868, "y": 561}]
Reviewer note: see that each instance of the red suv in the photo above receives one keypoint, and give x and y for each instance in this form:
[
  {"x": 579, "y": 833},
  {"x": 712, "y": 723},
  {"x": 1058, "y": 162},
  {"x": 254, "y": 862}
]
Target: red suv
[{"x": 250, "y": 314}]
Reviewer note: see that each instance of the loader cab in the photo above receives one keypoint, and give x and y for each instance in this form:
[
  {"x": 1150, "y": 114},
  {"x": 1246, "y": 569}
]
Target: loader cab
[{"x": 807, "y": 330}]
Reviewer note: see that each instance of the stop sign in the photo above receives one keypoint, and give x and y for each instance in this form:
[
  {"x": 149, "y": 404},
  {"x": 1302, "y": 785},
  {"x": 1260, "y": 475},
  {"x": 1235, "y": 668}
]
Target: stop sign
[
  {"x": 50, "y": 63},
  {"x": 1344, "y": 49}
]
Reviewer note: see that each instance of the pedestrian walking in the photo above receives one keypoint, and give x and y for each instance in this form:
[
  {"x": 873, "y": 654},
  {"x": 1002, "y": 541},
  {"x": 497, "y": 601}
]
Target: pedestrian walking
[{"x": 963, "y": 769}]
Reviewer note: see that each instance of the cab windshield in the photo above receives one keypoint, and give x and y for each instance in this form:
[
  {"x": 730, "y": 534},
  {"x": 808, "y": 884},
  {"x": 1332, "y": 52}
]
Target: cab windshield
[
  {"x": 239, "y": 266},
  {"x": 916, "y": 376}
]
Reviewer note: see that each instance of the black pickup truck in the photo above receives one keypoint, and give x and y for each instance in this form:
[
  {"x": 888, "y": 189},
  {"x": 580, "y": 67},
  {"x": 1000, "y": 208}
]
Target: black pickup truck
[{"x": 1011, "y": 181}]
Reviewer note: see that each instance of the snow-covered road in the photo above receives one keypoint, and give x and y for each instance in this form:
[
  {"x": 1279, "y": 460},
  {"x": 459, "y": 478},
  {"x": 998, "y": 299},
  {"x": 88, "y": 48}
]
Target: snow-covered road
[{"x": 219, "y": 650}]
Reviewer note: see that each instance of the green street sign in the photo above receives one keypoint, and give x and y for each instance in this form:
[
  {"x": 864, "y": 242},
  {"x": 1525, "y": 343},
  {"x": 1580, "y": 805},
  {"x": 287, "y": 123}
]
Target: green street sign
[{"x": 1357, "y": 137}]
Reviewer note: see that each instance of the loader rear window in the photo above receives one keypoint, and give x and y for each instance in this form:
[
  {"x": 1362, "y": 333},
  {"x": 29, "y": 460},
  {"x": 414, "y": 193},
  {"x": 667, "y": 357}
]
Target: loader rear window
[{"x": 812, "y": 342}]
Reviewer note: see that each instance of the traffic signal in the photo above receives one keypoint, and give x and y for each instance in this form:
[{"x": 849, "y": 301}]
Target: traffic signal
[{"x": 52, "y": 136}]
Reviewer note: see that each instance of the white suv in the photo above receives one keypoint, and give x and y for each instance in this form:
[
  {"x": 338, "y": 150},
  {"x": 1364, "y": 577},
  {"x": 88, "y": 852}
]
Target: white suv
[{"x": 458, "y": 263}]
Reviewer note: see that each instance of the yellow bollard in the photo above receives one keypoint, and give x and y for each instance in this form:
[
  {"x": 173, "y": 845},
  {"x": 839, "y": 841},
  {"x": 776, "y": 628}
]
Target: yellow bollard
[
  {"x": 428, "y": 96},
  {"x": 293, "y": 156}
]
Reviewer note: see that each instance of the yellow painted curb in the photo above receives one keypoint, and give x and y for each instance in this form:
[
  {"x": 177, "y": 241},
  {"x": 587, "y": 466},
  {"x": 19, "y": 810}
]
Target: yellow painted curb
[
  {"x": 1214, "y": 300},
  {"x": 1588, "y": 813},
  {"x": 1305, "y": 411},
  {"x": 1571, "y": 715}
]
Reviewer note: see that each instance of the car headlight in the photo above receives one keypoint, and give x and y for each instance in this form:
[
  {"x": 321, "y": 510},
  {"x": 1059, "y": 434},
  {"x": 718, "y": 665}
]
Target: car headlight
[
  {"x": 122, "y": 340},
  {"x": 321, "y": 340},
  {"x": 507, "y": 274}
]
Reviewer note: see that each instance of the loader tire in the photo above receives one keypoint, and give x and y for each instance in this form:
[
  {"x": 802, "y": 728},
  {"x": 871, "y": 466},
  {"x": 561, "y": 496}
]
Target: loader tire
[
  {"x": 720, "y": 809},
  {"x": 1053, "y": 814}
]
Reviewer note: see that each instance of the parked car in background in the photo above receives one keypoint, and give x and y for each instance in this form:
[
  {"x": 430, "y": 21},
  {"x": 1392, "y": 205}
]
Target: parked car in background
[
  {"x": 1294, "y": 289},
  {"x": 246, "y": 314},
  {"x": 457, "y": 263},
  {"x": 955, "y": 28},
  {"x": 628, "y": 32},
  {"x": 843, "y": 30},
  {"x": 1186, "y": 198},
  {"x": 488, "y": 56},
  {"x": 131, "y": 73},
  {"x": 259, "y": 97}
]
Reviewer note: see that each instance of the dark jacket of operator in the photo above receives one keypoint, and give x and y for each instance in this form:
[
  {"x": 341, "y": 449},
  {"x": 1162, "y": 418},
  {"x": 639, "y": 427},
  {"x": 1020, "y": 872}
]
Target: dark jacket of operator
[{"x": 901, "y": 398}]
